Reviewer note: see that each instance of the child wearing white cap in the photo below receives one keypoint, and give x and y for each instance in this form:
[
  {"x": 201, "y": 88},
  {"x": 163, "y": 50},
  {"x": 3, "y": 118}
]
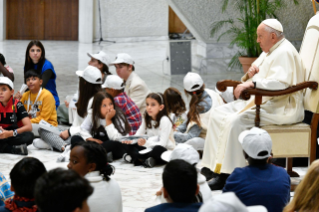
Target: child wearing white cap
[
  {"x": 193, "y": 130},
  {"x": 89, "y": 85},
  {"x": 259, "y": 183},
  {"x": 189, "y": 154},
  {"x": 15, "y": 125},
  {"x": 67, "y": 111},
  {"x": 114, "y": 86},
  {"x": 135, "y": 87}
]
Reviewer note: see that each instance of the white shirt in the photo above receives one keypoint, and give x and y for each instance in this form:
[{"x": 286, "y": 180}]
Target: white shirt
[
  {"x": 87, "y": 125},
  {"x": 76, "y": 125},
  {"x": 106, "y": 196},
  {"x": 163, "y": 135}
]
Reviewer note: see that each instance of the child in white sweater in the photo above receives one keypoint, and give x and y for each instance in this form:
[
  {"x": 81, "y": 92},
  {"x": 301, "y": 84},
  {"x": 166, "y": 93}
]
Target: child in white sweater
[{"x": 158, "y": 128}]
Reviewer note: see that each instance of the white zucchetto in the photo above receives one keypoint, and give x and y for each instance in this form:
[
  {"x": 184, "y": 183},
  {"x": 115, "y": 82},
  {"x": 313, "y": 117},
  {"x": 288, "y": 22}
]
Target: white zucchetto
[{"x": 273, "y": 23}]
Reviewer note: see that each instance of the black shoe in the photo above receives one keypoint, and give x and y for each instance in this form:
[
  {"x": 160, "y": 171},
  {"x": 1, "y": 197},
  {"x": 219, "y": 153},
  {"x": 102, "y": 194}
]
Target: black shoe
[
  {"x": 127, "y": 158},
  {"x": 20, "y": 149},
  {"x": 218, "y": 182},
  {"x": 149, "y": 162},
  {"x": 208, "y": 173},
  {"x": 109, "y": 157}
]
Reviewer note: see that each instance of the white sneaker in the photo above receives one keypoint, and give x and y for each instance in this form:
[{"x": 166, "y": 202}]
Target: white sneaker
[
  {"x": 41, "y": 144},
  {"x": 65, "y": 156}
]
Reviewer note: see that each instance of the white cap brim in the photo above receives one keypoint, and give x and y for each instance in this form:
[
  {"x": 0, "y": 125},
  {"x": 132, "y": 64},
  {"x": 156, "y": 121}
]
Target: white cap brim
[
  {"x": 120, "y": 60},
  {"x": 79, "y": 73},
  {"x": 90, "y": 55},
  {"x": 166, "y": 156}
]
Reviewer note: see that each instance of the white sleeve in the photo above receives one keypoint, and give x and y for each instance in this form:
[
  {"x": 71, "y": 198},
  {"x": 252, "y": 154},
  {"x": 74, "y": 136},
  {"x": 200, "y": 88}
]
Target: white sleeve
[
  {"x": 270, "y": 84},
  {"x": 86, "y": 127},
  {"x": 141, "y": 129},
  {"x": 164, "y": 132},
  {"x": 112, "y": 132}
]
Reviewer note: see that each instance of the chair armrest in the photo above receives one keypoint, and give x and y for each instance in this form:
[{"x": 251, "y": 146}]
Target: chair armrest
[
  {"x": 260, "y": 92},
  {"x": 223, "y": 84}
]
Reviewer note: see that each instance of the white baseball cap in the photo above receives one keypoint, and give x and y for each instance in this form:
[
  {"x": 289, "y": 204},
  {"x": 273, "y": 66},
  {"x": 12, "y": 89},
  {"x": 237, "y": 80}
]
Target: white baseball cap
[
  {"x": 182, "y": 151},
  {"x": 6, "y": 81},
  {"x": 123, "y": 58},
  {"x": 229, "y": 202},
  {"x": 190, "y": 80},
  {"x": 273, "y": 23},
  {"x": 101, "y": 56},
  {"x": 91, "y": 74},
  {"x": 255, "y": 141},
  {"x": 113, "y": 81}
]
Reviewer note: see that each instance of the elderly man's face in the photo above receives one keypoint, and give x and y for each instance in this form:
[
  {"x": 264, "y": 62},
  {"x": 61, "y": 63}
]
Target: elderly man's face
[{"x": 265, "y": 39}]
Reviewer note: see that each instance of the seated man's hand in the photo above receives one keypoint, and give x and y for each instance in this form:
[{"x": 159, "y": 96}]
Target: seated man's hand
[
  {"x": 17, "y": 95},
  {"x": 239, "y": 89},
  {"x": 252, "y": 71}
]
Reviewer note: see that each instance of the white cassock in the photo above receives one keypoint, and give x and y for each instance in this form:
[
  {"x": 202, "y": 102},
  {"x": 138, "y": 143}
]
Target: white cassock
[{"x": 279, "y": 68}]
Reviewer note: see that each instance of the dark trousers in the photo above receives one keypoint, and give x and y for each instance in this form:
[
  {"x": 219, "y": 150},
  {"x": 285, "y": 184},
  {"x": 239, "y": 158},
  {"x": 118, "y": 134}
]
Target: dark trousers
[
  {"x": 23, "y": 138},
  {"x": 118, "y": 149},
  {"x": 138, "y": 159}
]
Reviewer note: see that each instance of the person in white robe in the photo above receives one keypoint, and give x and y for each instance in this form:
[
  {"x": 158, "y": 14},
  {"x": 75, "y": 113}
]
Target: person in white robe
[{"x": 277, "y": 68}]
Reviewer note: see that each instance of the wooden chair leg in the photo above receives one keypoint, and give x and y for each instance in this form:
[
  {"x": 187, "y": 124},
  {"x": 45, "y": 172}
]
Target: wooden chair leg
[{"x": 289, "y": 168}]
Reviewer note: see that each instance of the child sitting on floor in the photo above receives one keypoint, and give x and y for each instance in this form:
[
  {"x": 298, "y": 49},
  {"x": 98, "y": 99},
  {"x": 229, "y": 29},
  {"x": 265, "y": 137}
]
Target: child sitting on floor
[
  {"x": 159, "y": 129},
  {"x": 88, "y": 159},
  {"x": 39, "y": 102},
  {"x": 62, "y": 190},
  {"x": 23, "y": 178},
  {"x": 15, "y": 125},
  {"x": 114, "y": 86},
  {"x": 104, "y": 124},
  {"x": 175, "y": 106},
  {"x": 193, "y": 130}
]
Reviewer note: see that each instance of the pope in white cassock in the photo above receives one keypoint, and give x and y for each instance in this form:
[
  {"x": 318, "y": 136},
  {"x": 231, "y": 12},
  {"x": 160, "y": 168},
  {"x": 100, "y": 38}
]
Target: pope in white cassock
[{"x": 278, "y": 67}]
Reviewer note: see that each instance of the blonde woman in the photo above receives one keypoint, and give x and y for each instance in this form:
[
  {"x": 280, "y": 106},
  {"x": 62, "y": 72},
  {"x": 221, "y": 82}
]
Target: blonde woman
[{"x": 307, "y": 192}]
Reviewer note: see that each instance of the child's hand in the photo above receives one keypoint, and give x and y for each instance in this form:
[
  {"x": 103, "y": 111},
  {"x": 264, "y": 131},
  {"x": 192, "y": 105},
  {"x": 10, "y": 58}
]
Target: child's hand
[
  {"x": 110, "y": 114},
  {"x": 95, "y": 140},
  {"x": 126, "y": 142},
  {"x": 5, "y": 133},
  {"x": 141, "y": 141},
  {"x": 17, "y": 95},
  {"x": 159, "y": 193},
  {"x": 64, "y": 134}
]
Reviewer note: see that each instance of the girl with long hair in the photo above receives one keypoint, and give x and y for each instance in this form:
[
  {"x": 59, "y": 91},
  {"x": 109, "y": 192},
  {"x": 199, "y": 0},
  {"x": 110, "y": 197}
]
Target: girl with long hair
[
  {"x": 88, "y": 159},
  {"x": 105, "y": 123},
  {"x": 307, "y": 192},
  {"x": 175, "y": 106},
  {"x": 158, "y": 128},
  {"x": 193, "y": 130},
  {"x": 35, "y": 59}
]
